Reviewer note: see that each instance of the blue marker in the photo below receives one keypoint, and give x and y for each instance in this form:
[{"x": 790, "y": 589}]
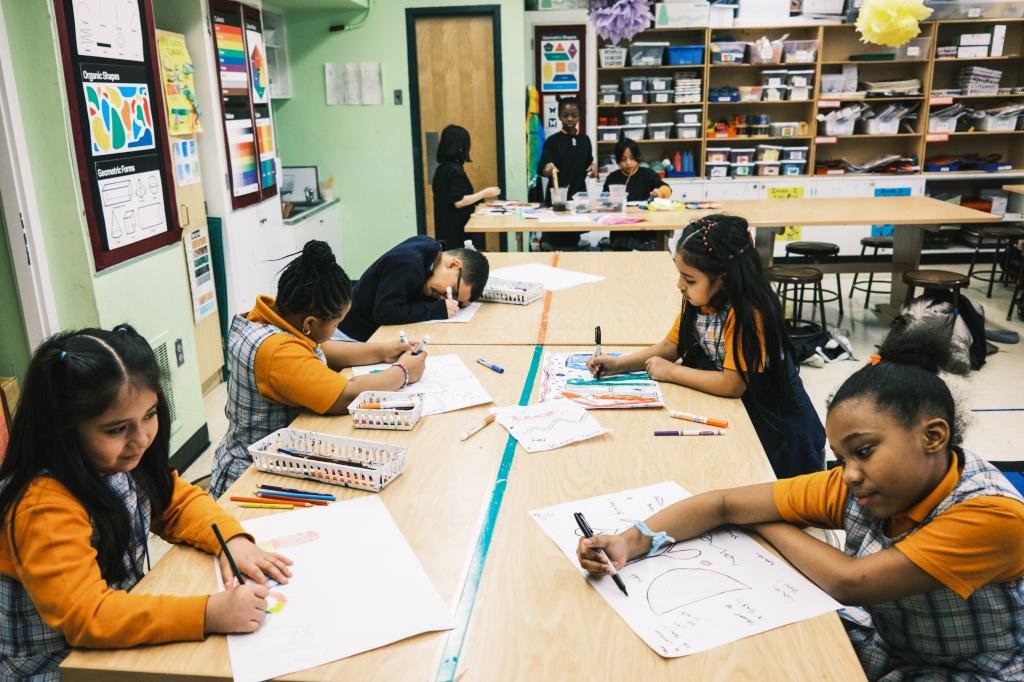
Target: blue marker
[{"x": 489, "y": 365}]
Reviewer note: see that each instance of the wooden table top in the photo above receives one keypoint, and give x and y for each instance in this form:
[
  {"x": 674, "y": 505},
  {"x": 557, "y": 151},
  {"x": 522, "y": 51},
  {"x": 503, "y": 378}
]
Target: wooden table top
[
  {"x": 916, "y": 210},
  {"x": 1016, "y": 189},
  {"x": 437, "y": 502},
  {"x": 519, "y": 630}
]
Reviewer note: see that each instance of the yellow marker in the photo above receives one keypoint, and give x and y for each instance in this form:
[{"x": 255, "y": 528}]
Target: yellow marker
[{"x": 267, "y": 505}]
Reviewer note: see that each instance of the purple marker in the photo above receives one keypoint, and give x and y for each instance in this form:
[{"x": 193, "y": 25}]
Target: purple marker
[{"x": 692, "y": 432}]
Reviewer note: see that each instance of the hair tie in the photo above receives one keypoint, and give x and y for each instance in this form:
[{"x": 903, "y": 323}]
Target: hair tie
[
  {"x": 63, "y": 355},
  {"x": 121, "y": 330},
  {"x": 874, "y": 359}
]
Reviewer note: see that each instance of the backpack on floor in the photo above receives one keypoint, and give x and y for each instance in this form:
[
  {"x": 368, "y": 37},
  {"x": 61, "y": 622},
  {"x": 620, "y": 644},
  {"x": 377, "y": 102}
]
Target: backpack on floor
[{"x": 966, "y": 325}]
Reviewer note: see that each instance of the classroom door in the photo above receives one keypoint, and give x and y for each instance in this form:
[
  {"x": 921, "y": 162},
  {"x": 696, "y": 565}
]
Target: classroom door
[{"x": 455, "y": 83}]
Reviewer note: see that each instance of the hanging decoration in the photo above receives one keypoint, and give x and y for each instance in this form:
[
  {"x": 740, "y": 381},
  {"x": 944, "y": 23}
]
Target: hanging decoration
[
  {"x": 617, "y": 20},
  {"x": 891, "y": 22}
]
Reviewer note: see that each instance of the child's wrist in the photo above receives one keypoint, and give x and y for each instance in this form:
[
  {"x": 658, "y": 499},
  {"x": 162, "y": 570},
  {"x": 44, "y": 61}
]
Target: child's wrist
[{"x": 405, "y": 374}]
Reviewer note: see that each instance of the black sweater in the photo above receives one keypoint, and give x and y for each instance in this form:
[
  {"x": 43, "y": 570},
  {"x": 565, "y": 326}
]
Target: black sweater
[
  {"x": 450, "y": 185},
  {"x": 391, "y": 290},
  {"x": 639, "y": 185}
]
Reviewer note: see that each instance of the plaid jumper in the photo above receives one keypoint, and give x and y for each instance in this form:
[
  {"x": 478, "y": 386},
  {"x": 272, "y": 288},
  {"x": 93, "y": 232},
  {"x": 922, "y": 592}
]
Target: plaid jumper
[{"x": 938, "y": 635}]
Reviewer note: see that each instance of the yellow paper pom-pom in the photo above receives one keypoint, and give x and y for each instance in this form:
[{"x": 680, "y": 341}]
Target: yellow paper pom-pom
[{"x": 891, "y": 22}]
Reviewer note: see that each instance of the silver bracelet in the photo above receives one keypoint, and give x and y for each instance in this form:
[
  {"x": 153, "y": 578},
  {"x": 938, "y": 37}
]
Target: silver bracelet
[{"x": 657, "y": 539}]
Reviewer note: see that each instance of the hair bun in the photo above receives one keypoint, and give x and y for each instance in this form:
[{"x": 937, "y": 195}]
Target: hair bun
[
  {"x": 924, "y": 344},
  {"x": 318, "y": 254}
]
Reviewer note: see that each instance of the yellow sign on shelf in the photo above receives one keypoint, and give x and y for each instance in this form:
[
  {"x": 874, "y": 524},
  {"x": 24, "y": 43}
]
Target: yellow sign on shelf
[{"x": 790, "y": 233}]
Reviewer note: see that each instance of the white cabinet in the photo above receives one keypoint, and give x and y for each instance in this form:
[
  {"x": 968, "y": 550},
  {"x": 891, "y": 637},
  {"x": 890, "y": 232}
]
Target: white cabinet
[
  {"x": 324, "y": 224},
  {"x": 848, "y": 237},
  {"x": 276, "y": 43}
]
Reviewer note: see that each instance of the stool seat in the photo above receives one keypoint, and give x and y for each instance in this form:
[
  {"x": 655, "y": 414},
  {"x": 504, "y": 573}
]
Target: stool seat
[
  {"x": 812, "y": 248},
  {"x": 877, "y": 242},
  {"x": 1003, "y": 231},
  {"x": 793, "y": 274},
  {"x": 935, "y": 278}
]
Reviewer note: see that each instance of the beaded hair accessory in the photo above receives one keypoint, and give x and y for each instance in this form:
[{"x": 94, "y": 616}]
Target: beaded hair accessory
[{"x": 706, "y": 226}]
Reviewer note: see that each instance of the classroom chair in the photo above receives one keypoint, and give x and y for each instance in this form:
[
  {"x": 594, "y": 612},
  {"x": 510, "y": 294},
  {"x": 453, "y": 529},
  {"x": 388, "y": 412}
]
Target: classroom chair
[
  {"x": 869, "y": 287},
  {"x": 819, "y": 252},
  {"x": 1004, "y": 236},
  {"x": 791, "y": 282},
  {"x": 1018, "y": 281},
  {"x": 942, "y": 280}
]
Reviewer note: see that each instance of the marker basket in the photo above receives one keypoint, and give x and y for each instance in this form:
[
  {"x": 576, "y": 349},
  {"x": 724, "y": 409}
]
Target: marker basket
[
  {"x": 391, "y": 458},
  {"x": 507, "y": 291},
  {"x": 393, "y": 420}
]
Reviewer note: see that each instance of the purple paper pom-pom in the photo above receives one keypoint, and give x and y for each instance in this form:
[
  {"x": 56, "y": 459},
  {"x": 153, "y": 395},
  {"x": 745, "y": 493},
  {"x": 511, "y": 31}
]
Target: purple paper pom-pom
[{"x": 621, "y": 19}]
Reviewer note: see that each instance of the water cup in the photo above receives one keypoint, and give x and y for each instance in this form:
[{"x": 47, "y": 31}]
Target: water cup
[
  {"x": 617, "y": 196},
  {"x": 559, "y": 196}
]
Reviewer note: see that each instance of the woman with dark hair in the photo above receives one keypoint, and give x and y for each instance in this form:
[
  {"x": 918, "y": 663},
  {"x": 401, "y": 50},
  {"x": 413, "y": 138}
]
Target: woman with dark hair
[{"x": 454, "y": 197}]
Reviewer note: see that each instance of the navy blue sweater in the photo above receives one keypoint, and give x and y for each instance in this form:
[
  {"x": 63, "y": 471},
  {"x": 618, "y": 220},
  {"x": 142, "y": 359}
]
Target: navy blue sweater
[{"x": 391, "y": 290}]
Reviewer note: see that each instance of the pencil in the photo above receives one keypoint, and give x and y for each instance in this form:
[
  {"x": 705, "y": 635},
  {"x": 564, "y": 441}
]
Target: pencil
[
  {"x": 263, "y": 500},
  {"x": 267, "y": 486},
  {"x": 266, "y": 505},
  {"x": 227, "y": 554},
  {"x": 290, "y": 500}
]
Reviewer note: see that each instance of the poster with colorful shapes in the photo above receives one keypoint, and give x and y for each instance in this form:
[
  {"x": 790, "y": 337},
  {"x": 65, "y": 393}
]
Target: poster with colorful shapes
[
  {"x": 176, "y": 72},
  {"x": 186, "y": 162},
  {"x": 118, "y": 109},
  {"x": 131, "y": 200},
  {"x": 227, "y": 30},
  {"x": 265, "y": 144},
  {"x": 200, "y": 274},
  {"x": 560, "y": 63},
  {"x": 260, "y": 76},
  {"x": 111, "y": 29},
  {"x": 242, "y": 146}
]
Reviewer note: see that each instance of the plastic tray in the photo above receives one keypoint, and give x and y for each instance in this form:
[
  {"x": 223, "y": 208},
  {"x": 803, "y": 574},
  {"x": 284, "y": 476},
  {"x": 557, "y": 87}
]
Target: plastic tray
[
  {"x": 636, "y": 117},
  {"x": 634, "y": 132},
  {"x": 728, "y": 52},
  {"x": 801, "y": 51},
  {"x": 680, "y": 55},
  {"x": 392, "y": 420},
  {"x": 379, "y": 463},
  {"x": 688, "y": 116},
  {"x": 612, "y": 57},
  {"x": 606, "y": 134},
  {"x": 659, "y": 131},
  {"x": 647, "y": 54},
  {"x": 511, "y": 291}
]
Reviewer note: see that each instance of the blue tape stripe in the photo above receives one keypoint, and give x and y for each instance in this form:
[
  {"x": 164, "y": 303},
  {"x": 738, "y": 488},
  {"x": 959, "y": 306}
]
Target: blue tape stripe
[{"x": 464, "y": 610}]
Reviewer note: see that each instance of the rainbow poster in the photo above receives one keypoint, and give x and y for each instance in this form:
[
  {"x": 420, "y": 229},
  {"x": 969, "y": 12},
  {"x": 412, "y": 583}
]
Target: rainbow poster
[
  {"x": 265, "y": 142},
  {"x": 242, "y": 146},
  {"x": 234, "y": 78},
  {"x": 258, "y": 68},
  {"x": 120, "y": 117}
]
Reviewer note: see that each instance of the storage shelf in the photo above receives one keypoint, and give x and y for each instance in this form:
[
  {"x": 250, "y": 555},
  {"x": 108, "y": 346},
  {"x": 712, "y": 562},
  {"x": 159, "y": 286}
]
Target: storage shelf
[
  {"x": 931, "y": 97},
  {"x": 887, "y": 62},
  {"x": 1005, "y": 57},
  {"x": 756, "y": 138},
  {"x": 672, "y": 140},
  {"x": 745, "y": 65},
  {"x": 679, "y": 105},
  {"x": 860, "y": 136},
  {"x": 763, "y": 101},
  {"x": 650, "y": 68},
  {"x": 979, "y": 132},
  {"x": 874, "y": 100}
]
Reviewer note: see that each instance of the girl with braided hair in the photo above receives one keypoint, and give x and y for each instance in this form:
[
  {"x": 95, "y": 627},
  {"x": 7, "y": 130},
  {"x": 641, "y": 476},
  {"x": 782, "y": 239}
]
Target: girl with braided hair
[
  {"x": 282, "y": 360},
  {"x": 730, "y": 338}
]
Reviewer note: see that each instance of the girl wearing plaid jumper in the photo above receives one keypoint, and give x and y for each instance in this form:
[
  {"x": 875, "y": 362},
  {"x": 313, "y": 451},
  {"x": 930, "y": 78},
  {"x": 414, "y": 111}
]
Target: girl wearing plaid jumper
[
  {"x": 933, "y": 568},
  {"x": 85, "y": 479},
  {"x": 732, "y": 342}
]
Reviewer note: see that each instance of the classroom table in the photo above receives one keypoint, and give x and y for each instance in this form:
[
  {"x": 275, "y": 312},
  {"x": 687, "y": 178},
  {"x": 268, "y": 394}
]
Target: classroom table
[
  {"x": 911, "y": 216},
  {"x": 536, "y": 617},
  {"x": 1016, "y": 189},
  {"x": 438, "y": 503}
]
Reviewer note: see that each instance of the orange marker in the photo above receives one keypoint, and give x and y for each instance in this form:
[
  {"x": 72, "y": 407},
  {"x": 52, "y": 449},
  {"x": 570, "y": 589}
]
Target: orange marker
[
  {"x": 698, "y": 419},
  {"x": 290, "y": 500}
]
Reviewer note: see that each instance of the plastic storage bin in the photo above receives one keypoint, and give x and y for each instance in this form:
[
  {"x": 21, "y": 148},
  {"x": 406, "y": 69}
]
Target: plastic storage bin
[
  {"x": 717, "y": 169},
  {"x": 608, "y": 133},
  {"x": 768, "y": 167},
  {"x": 762, "y": 52},
  {"x": 728, "y": 52},
  {"x": 794, "y": 153},
  {"x": 612, "y": 57},
  {"x": 635, "y": 117},
  {"x": 774, "y": 77},
  {"x": 942, "y": 125},
  {"x": 787, "y": 129},
  {"x": 633, "y": 132},
  {"x": 874, "y": 126},
  {"x": 997, "y": 123},
  {"x": 688, "y": 116},
  {"x": 775, "y": 93},
  {"x": 660, "y": 96},
  {"x": 717, "y": 154},
  {"x": 800, "y": 51},
  {"x": 743, "y": 155},
  {"x": 635, "y": 98},
  {"x": 915, "y": 48},
  {"x": 659, "y": 82},
  {"x": 394, "y": 420},
  {"x": 799, "y": 93},
  {"x": 751, "y": 93},
  {"x": 659, "y": 131},
  {"x": 768, "y": 152},
  {"x": 687, "y": 131},
  {"x": 843, "y": 126},
  {"x": 631, "y": 84},
  {"x": 681, "y": 55},
  {"x": 609, "y": 96},
  {"x": 792, "y": 167},
  {"x": 800, "y": 78},
  {"x": 647, "y": 54},
  {"x": 742, "y": 170}
]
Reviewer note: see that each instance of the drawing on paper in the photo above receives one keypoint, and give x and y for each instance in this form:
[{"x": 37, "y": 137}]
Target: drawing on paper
[
  {"x": 446, "y": 385},
  {"x": 548, "y": 425},
  {"x": 565, "y": 375},
  {"x": 111, "y": 29},
  {"x": 275, "y": 602},
  {"x": 132, "y": 200},
  {"x": 679, "y": 587},
  {"x": 285, "y": 541},
  {"x": 120, "y": 118}
]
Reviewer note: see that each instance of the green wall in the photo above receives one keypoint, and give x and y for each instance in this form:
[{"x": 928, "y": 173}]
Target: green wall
[
  {"x": 368, "y": 149},
  {"x": 14, "y": 351}
]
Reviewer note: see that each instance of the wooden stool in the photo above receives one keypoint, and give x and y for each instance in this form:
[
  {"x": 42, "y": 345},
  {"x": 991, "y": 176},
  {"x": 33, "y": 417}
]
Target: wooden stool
[
  {"x": 1018, "y": 281},
  {"x": 820, "y": 252},
  {"x": 934, "y": 279},
  {"x": 1003, "y": 236},
  {"x": 799, "y": 277},
  {"x": 875, "y": 243}
]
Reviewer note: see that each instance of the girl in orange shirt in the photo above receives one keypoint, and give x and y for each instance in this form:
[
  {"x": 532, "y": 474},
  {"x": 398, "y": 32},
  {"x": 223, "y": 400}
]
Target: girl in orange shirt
[{"x": 85, "y": 479}]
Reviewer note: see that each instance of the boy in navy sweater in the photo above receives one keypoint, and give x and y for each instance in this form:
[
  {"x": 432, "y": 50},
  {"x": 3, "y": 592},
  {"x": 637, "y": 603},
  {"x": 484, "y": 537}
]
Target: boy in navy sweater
[{"x": 410, "y": 283}]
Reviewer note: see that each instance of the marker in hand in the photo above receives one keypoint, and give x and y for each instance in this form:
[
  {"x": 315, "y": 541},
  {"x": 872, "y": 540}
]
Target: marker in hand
[
  {"x": 588, "y": 533},
  {"x": 421, "y": 346},
  {"x": 403, "y": 338},
  {"x": 449, "y": 290},
  {"x": 597, "y": 349}
]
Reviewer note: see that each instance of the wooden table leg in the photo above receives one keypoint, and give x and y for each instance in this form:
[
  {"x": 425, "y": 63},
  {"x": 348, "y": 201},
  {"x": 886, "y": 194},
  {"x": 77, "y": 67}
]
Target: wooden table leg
[
  {"x": 492, "y": 242},
  {"x": 764, "y": 242},
  {"x": 906, "y": 255},
  {"x": 519, "y": 242}
]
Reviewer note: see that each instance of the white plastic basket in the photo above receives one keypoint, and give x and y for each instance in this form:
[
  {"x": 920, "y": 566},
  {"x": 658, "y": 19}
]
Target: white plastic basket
[
  {"x": 507, "y": 291},
  {"x": 996, "y": 123},
  {"x": 393, "y": 420},
  {"x": 612, "y": 57},
  {"x": 369, "y": 465}
]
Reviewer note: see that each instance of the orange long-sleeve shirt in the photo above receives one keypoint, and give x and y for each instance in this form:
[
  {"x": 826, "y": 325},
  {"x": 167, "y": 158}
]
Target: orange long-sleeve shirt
[{"x": 56, "y": 564}]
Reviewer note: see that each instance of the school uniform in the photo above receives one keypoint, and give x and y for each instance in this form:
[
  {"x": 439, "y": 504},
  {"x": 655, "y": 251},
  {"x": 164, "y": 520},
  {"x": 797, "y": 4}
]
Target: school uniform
[
  {"x": 572, "y": 155},
  {"x": 450, "y": 184},
  {"x": 391, "y": 290},
  {"x": 53, "y": 596},
  {"x": 793, "y": 440},
  {"x": 639, "y": 186},
  {"x": 276, "y": 372},
  {"x": 968, "y": 534}
]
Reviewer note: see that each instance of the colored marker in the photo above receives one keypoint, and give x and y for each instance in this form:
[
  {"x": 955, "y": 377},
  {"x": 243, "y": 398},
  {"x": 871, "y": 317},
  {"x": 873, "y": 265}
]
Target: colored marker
[
  {"x": 267, "y": 486},
  {"x": 227, "y": 554},
  {"x": 389, "y": 405},
  {"x": 266, "y": 505},
  {"x": 268, "y": 496},
  {"x": 403, "y": 338},
  {"x": 490, "y": 365},
  {"x": 692, "y": 432},
  {"x": 477, "y": 427},
  {"x": 261, "y": 500},
  {"x": 588, "y": 533},
  {"x": 301, "y": 496},
  {"x": 675, "y": 414},
  {"x": 597, "y": 349},
  {"x": 422, "y": 345}
]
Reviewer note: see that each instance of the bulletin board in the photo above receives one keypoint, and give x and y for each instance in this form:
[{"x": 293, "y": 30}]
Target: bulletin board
[
  {"x": 561, "y": 71},
  {"x": 243, "y": 80},
  {"x": 118, "y": 121}
]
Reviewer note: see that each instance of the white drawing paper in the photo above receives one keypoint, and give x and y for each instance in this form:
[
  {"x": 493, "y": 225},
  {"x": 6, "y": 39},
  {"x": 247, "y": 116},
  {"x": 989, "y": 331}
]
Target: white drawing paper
[
  {"x": 693, "y": 595},
  {"x": 565, "y": 375},
  {"x": 553, "y": 279},
  {"x": 464, "y": 315},
  {"x": 111, "y": 29},
  {"x": 131, "y": 200},
  {"x": 447, "y": 384},
  {"x": 353, "y": 83},
  {"x": 356, "y": 586},
  {"x": 550, "y": 425}
]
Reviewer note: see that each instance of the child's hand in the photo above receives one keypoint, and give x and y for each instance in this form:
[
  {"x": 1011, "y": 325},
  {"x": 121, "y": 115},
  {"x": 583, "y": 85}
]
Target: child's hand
[
  {"x": 592, "y": 170},
  {"x": 254, "y": 563},
  {"x": 490, "y": 192},
  {"x": 548, "y": 169},
  {"x": 618, "y": 548},
  {"x": 239, "y": 608},
  {"x": 390, "y": 352},
  {"x": 452, "y": 305},
  {"x": 660, "y": 369},
  {"x": 602, "y": 365},
  {"x": 414, "y": 365}
]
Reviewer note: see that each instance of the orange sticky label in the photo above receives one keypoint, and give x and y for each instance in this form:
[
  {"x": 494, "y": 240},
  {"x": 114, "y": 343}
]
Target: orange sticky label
[
  {"x": 825, "y": 140},
  {"x": 941, "y": 100},
  {"x": 936, "y": 137}
]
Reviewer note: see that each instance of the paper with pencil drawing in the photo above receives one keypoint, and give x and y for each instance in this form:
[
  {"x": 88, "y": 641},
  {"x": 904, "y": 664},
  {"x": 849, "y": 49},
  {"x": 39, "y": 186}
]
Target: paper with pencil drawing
[
  {"x": 356, "y": 586},
  {"x": 693, "y": 595},
  {"x": 447, "y": 384},
  {"x": 464, "y": 315},
  {"x": 565, "y": 375},
  {"x": 550, "y": 425},
  {"x": 553, "y": 279}
]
